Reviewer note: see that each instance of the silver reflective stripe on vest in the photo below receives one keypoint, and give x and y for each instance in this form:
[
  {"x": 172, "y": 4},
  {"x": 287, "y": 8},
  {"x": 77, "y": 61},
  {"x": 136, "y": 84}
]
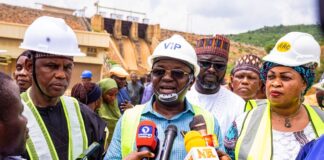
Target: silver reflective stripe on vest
[
  {"x": 36, "y": 134},
  {"x": 251, "y": 131},
  {"x": 75, "y": 127},
  {"x": 319, "y": 112},
  {"x": 261, "y": 102}
]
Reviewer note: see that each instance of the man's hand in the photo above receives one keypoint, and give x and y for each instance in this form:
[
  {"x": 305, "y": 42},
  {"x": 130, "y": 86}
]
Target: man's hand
[
  {"x": 222, "y": 155},
  {"x": 126, "y": 105},
  {"x": 139, "y": 155}
]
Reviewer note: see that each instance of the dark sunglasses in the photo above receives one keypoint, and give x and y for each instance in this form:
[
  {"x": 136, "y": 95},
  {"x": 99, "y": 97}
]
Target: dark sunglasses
[
  {"x": 175, "y": 73},
  {"x": 208, "y": 64}
]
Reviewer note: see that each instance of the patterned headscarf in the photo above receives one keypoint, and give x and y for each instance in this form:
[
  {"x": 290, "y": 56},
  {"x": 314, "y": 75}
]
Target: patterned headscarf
[{"x": 307, "y": 72}]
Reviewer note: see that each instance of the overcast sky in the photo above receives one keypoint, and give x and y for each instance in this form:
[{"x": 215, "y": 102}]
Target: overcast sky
[{"x": 203, "y": 16}]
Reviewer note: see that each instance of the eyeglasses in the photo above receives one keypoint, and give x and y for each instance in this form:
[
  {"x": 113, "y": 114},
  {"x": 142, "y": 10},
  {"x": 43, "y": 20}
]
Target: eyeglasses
[
  {"x": 208, "y": 64},
  {"x": 175, "y": 73}
]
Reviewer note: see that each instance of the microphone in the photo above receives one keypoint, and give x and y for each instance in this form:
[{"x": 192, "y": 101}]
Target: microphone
[
  {"x": 196, "y": 147},
  {"x": 170, "y": 134},
  {"x": 146, "y": 137},
  {"x": 198, "y": 123},
  {"x": 90, "y": 151},
  {"x": 193, "y": 139}
]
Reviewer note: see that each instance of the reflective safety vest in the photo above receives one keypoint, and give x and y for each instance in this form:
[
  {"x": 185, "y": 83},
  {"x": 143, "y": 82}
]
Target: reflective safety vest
[
  {"x": 131, "y": 119},
  {"x": 252, "y": 103},
  {"x": 39, "y": 144},
  {"x": 255, "y": 139}
]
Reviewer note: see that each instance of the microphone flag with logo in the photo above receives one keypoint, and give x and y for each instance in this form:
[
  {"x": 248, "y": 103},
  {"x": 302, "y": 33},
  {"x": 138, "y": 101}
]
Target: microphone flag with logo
[
  {"x": 195, "y": 145},
  {"x": 146, "y": 137}
]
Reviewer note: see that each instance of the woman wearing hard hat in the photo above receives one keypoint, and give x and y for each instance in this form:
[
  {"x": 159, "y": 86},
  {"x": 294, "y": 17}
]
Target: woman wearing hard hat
[
  {"x": 59, "y": 126},
  {"x": 278, "y": 129}
]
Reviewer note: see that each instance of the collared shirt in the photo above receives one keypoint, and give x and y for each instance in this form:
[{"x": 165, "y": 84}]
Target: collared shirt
[
  {"x": 135, "y": 91},
  {"x": 181, "y": 121},
  {"x": 148, "y": 92},
  {"x": 122, "y": 97}
]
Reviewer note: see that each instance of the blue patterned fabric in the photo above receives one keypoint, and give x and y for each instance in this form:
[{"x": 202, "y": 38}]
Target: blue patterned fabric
[
  {"x": 122, "y": 97},
  {"x": 306, "y": 72},
  {"x": 230, "y": 140}
]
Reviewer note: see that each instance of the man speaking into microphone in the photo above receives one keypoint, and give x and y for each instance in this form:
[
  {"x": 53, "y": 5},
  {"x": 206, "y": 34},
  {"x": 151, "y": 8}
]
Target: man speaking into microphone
[{"x": 173, "y": 71}]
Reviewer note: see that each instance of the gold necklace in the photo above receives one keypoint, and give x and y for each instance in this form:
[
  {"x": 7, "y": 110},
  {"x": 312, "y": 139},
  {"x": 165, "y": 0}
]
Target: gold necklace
[{"x": 287, "y": 118}]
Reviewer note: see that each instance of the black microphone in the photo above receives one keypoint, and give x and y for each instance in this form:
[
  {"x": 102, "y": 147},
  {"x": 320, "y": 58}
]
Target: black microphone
[
  {"x": 170, "y": 134},
  {"x": 92, "y": 149}
]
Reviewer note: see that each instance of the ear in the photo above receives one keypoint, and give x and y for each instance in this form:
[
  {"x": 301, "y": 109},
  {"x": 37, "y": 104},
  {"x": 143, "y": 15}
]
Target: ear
[
  {"x": 29, "y": 65},
  {"x": 192, "y": 80},
  {"x": 230, "y": 84},
  {"x": 304, "y": 86},
  {"x": 260, "y": 84}
]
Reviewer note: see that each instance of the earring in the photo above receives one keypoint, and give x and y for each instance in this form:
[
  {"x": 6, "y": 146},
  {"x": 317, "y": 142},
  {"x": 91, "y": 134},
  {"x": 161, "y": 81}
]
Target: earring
[{"x": 302, "y": 98}]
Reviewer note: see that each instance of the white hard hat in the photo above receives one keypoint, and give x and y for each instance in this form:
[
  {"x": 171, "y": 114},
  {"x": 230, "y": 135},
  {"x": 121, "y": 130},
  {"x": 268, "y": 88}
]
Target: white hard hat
[
  {"x": 295, "y": 49},
  {"x": 178, "y": 48},
  {"x": 51, "y": 35}
]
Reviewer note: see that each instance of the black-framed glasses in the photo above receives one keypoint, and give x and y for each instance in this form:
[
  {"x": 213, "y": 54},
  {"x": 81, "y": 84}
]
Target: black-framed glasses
[
  {"x": 175, "y": 73},
  {"x": 208, "y": 64}
]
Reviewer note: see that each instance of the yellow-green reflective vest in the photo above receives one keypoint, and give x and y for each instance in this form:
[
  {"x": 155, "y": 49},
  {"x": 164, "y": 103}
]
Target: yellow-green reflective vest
[
  {"x": 131, "y": 119},
  {"x": 39, "y": 144},
  {"x": 253, "y": 103},
  {"x": 255, "y": 139}
]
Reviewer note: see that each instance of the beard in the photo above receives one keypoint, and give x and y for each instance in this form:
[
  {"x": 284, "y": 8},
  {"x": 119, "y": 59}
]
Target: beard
[{"x": 209, "y": 85}]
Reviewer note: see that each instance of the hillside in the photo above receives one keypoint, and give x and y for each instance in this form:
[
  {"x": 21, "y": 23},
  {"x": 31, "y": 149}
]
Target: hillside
[
  {"x": 237, "y": 49},
  {"x": 266, "y": 37}
]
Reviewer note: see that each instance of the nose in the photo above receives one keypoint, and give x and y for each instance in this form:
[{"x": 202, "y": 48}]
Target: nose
[
  {"x": 245, "y": 80},
  {"x": 275, "y": 83},
  {"x": 212, "y": 68},
  {"x": 25, "y": 119},
  {"x": 60, "y": 74},
  {"x": 22, "y": 72},
  {"x": 167, "y": 75}
]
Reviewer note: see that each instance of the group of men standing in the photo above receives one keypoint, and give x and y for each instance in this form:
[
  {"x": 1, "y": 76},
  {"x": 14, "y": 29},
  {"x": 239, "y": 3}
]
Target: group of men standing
[
  {"x": 186, "y": 82},
  {"x": 62, "y": 128}
]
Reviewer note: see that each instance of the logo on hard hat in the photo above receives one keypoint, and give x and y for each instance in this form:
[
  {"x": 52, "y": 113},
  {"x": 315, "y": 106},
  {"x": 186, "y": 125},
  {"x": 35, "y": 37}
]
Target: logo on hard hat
[
  {"x": 172, "y": 45},
  {"x": 283, "y": 46}
]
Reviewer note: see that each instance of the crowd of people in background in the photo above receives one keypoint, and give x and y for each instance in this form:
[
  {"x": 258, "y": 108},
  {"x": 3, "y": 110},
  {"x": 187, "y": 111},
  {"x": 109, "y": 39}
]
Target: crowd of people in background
[{"x": 259, "y": 114}]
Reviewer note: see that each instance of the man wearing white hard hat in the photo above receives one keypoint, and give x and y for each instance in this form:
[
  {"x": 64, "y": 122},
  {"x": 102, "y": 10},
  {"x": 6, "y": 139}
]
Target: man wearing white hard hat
[
  {"x": 174, "y": 68},
  {"x": 279, "y": 128},
  {"x": 60, "y": 127}
]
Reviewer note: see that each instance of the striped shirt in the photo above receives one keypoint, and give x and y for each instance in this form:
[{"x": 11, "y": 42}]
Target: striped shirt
[{"x": 181, "y": 121}]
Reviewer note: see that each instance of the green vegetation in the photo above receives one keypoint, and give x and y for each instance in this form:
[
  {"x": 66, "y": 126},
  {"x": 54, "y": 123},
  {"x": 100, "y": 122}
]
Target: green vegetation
[{"x": 267, "y": 36}]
